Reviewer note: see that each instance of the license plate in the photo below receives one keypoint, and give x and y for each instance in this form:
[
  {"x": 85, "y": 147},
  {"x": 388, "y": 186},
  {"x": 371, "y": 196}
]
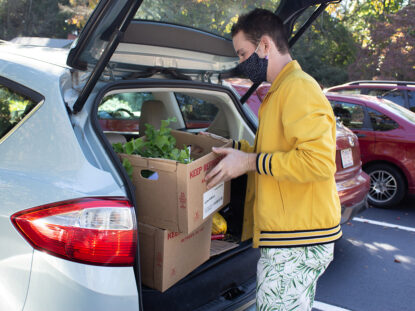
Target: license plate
[{"x": 347, "y": 157}]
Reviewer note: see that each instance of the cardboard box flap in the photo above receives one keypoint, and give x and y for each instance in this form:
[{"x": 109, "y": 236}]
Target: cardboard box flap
[
  {"x": 146, "y": 229},
  {"x": 200, "y": 145},
  {"x": 218, "y": 247}
]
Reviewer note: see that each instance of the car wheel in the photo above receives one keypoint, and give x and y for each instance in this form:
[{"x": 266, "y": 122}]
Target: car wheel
[{"x": 387, "y": 185}]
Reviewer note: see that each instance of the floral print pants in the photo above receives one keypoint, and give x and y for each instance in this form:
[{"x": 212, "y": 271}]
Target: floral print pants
[{"x": 287, "y": 277}]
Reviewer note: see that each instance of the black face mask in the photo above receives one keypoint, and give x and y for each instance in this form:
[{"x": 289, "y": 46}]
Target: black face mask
[{"x": 255, "y": 68}]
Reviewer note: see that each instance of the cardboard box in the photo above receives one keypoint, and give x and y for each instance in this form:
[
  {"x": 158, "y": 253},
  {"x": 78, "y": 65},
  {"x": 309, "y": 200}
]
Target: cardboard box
[
  {"x": 166, "y": 257},
  {"x": 175, "y": 196},
  {"x": 218, "y": 247}
]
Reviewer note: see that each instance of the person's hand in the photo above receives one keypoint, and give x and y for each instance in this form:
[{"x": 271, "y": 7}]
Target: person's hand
[{"x": 235, "y": 163}]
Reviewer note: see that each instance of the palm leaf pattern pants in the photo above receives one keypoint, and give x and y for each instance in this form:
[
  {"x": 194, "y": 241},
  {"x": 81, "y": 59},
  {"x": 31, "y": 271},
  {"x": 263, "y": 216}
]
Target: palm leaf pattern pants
[{"x": 287, "y": 277}]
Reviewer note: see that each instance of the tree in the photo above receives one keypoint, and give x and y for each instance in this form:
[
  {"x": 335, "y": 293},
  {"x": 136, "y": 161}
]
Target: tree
[
  {"x": 358, "y": 15},
  {"x": 33, "y": 18},
  {"x": 216, "y": 16},
  {"x": 390, "y": 53},
  {"x": 326, "y": 50},
  {"x": 79, "y": 10}
]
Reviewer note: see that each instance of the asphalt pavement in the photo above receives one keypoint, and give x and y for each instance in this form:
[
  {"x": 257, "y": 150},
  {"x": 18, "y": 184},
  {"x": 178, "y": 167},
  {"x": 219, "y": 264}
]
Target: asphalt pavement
[{"x": 374, "y": 264}]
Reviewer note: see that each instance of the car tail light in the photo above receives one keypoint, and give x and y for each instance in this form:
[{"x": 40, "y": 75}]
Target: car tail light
[{"x": 99, "y": 231}]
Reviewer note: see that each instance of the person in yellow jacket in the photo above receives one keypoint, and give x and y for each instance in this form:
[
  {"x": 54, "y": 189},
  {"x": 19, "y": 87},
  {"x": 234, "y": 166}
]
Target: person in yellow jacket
[{"x": 292, "y": 209}]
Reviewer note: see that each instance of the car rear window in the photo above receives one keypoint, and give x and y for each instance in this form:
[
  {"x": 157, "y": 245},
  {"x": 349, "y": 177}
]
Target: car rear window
[
  {"x": 399, "y": 110},
  {"x": 411, "y": 99},
  {"x": 14, "y": 109},
  {"x": 395, "y": 95}
]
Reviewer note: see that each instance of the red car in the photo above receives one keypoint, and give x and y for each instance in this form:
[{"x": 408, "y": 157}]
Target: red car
[
  {"x": 386, "y": 134},
  {"x": 119, "y": 121},
  {"x": 400, "y": 92},
  {"x": 352, "y": 183}
]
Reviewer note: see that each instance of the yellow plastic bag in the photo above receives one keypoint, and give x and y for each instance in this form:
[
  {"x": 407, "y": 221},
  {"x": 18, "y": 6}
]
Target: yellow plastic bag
[{"x": 219, "y": 225}]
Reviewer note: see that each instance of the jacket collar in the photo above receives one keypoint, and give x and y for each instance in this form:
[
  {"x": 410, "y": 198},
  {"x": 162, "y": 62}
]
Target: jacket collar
[{"x": 290, "y": 67}]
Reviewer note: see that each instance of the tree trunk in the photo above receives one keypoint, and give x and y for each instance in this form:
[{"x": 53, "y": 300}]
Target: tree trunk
[
  {"x": 8, "y": 21},
  {"x": 28, "y": 17}
]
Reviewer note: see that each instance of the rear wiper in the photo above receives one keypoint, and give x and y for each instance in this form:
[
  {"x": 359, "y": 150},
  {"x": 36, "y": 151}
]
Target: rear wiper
[{"x": 387, "y": 93}]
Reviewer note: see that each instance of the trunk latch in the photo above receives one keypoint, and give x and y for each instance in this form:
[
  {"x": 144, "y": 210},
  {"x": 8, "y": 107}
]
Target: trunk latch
[{"x": 232, "y": 293}]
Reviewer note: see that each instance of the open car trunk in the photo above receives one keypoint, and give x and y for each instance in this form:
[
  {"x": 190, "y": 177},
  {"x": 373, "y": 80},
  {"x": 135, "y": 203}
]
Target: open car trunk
[
  {"x": 226, "y": 278},
  {"x": 114, "y": 45}
]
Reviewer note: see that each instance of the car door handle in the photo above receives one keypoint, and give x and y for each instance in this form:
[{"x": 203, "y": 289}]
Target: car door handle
[{"x": 360, "y": 135}]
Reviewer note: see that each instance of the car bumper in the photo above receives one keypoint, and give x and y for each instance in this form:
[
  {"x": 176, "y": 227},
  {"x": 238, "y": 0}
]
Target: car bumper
[
  {"x": 353, "y": 195},
  {"x": 350, "y": 211},
  {"x": 58, "y": 284}
]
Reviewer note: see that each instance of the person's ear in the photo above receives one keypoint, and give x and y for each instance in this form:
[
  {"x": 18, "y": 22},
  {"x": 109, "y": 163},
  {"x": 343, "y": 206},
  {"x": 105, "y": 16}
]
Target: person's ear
[{"x": 266, "y": 44}]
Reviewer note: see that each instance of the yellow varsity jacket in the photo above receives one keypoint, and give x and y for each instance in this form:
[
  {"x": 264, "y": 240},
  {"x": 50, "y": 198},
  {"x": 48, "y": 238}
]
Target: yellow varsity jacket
[{"x": 292, "y": 199}]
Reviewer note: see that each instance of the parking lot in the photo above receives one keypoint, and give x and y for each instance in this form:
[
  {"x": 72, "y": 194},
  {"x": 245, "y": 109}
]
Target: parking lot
[{"x": 374, "y": 265}]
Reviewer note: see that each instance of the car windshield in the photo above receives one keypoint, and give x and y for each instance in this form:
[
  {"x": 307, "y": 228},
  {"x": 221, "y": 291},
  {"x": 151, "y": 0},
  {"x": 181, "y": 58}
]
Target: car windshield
[
  {"x": 399, "y": 110},
  {"x": 215, "y": 16}
]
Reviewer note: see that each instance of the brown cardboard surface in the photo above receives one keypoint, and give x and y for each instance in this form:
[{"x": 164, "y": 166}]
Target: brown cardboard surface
[
  {"x": 166, "y": 257},
  {"x": 175, "y": 200},
  {"x": 218, "y": 247}
]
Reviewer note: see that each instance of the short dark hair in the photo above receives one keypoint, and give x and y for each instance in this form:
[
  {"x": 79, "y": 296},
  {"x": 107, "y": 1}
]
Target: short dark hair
[{"x": 261, "y": 22}]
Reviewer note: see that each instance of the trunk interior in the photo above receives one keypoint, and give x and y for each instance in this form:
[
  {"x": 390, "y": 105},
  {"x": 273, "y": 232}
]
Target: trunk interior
[
  {"x": 122, "y": 109},
  {"x": 229, "y": 275}
]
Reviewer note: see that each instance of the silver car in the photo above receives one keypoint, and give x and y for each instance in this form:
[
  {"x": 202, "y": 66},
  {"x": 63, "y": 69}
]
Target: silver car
[{"x": 68, "y": 211}]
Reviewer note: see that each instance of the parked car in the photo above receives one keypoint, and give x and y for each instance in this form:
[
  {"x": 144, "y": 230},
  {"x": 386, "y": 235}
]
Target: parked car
[
  {"x": 352, "y": 183},
  {"x": 400, "y": 92},
  {"x": 68, "y": 211},
  {"x": 386, "y": 134}
]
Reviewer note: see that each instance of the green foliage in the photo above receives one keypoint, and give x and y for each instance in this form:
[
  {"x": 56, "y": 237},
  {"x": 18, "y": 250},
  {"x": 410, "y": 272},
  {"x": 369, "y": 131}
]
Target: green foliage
[
  {"x": 33, "y": 18},
  {"x": 128, "y": 167},
  {"x": 13, "y": 107},
  {"x": 79, "y": 11},
  {"x": 216, "y": 16},
  {"x": 359, "y": 15},
  {"x": 5, "y": 123},
  {"x": 113, "y": 104},
  {"x": 157, "y": 144},
  {"x": 326, "y": 50},
  {"x": 131, "y": 101},
  {"x": 345, "y": 37},
  {"x": 384, "y": 41},
  {"x": 390, "y": 53}
]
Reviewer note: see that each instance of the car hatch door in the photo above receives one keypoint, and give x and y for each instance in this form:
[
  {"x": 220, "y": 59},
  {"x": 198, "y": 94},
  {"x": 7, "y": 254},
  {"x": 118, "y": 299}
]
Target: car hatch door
[
  {"x": 98, "y": 40},
  {"x": 101, "y": 35},
  {"x": 289, "y": 11}
]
